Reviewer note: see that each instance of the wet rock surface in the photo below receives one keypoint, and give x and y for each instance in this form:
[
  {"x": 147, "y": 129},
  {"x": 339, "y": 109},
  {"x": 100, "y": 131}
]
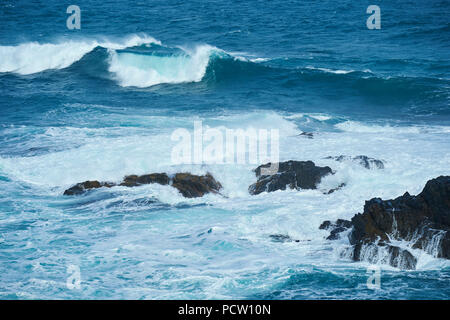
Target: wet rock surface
[
  {"x": 365, "y": 161},
  {"x": 335, "y": 228},
  {"x": 281, "y": 238},
  {"x": 82, "y": 187},
  {"x": 423, "y": 221},
  {"x": 401, "y": 258},
  {"x": 291, "y": 174},
  {"x": 386, "y": 254},
  {"x": 190, "y": 186},
  {"x": 134, "y": 180}
]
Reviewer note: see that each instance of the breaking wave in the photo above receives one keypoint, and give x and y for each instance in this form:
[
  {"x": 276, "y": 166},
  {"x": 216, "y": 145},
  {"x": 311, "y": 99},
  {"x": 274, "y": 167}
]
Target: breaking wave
[
  {"x": 34, "y": 57},
  {"x": 142, "y": 61},
  {"x": 145, "y": 70}
]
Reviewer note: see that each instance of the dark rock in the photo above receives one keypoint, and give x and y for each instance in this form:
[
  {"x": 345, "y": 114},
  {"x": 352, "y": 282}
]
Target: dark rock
[
  {"x": 344, "y": 223},
  {"x": 192, "y": 186},
  {"x": 134, "y": 180},
  {"x": 401, "y": 258},
  {"x": 81, "y": 187},
  {"x": 385, "y": 253},
  {"x": 325, "y": 225},
  {"x": 284, "y": 238},
  {"x": 308, "y": 135},
  {"x": 292, "y": 174},
  {"x": 338, "y": 223},
  {"x": 365, "y": 161},
  {"x": 280, "y": 238},
  {"x": 422, "y": 220},
  {"x": 188, "y": 184},
  {"x": 335, "y": 228},
  {"x": 337, "y": 188}
]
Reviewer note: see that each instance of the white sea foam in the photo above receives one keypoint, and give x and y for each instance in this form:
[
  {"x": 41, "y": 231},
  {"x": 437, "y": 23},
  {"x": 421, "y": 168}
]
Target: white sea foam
[
  {"x": 147, "y": 70},
  {"x": 33, "y": 57},
  {"x": 316, "y": 116},
  {"x": 294, "y": 213},
  {"x": 330, "y": 70},
  {"x": 358, "y": 127}
]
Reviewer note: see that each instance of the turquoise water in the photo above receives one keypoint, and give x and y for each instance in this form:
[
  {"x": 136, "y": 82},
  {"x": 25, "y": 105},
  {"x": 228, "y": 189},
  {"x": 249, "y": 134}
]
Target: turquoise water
[{"x": 102, "y": 102}]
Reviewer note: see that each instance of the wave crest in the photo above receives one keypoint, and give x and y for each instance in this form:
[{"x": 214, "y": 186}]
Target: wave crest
[
  {"x": 144, "y": 70},
  {"x": 34, "y": 57}
]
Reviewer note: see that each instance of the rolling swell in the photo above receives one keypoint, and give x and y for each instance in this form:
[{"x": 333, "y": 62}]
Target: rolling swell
[
  {"x": 419, "y": 95},
  {"x": 138, "y": 62},
  {"x": 149, "y": 67},
  {"x": 142, "y": 62}
]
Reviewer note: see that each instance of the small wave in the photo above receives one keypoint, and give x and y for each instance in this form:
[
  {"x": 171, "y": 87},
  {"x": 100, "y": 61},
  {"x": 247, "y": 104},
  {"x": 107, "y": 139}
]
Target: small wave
[
  {"x": 357, "y": 127},
  {"x": 258, "y": 60},
  {"x": 330, "y": 70},
  {"x": 316, "y": 116}
]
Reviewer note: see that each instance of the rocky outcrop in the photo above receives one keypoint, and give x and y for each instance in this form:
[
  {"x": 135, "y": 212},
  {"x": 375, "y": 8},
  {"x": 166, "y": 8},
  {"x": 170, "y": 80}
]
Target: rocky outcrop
[
  {"x": 192, "y": 186},
  {"x": 335, "y": 228},
  {"x": 291, "y": 174},
  {"x": 365, "y": 161},
  {"x": 423, "y": 221},
  {"x": 189, "y": 185},
  {"x": 281, "y": 238}
]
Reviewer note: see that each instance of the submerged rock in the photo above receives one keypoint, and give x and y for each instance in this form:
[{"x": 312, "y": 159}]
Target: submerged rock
[
  {"x": 423, "y": 221},
  {"x": 365, "y": 161},
  {"x": 339, "y": 187},
  {"x": 281, "y": 238},
  {"x": 292, "y": 174},
  {"x": 189, "y": 185},
  {"x": 284, "y": 238}
]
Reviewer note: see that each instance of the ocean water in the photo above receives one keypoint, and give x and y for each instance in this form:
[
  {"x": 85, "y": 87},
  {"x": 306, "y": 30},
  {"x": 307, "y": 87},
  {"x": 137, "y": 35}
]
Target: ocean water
[{"x": 102, "y": 102}]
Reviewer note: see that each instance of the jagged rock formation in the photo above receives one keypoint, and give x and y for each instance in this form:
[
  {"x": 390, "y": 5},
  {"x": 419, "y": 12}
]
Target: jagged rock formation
[
  {"x": 365, "y": 161},
  {"x": 423, "y": 221},
  {"x": 292, "y": 174},
  {"x": 189, "y": 185}
]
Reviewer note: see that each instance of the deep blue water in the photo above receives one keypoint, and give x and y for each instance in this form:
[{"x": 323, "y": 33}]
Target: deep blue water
[{"x": 101, "y": 102}]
